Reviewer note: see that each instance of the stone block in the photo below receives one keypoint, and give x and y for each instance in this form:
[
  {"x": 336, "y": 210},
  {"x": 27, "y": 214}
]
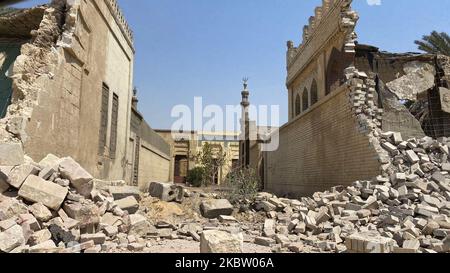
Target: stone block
[
  {"x": 10, "y": 208},
  {"x": 167, "y": 192},
  {"x": 369, "y": 242},
  {"x": 18, "y": 175},
  {"x": 98, "y": 238},
  {"x": 11, "y": 239},
  {"x": 87, "y": 214},
  {"x": 129, "y": 204},
  {"x": 41, "y": 212},
  {"x": 49, "y": 161},
  {"x": 389, "y": 147},
  {"x": 269, "y": 228},
  {"x": 123, "y": 192},
  {"x": 136, "y": 247},
  {"x": 139, "y": 226},
  {"x": 80, "y": 179},
  {"x": 30, "y": 220},
  {"x": 39, "y": 237},
  {"x": 412, "y": 157},
  {"x": 11, "y": 154},
  {"x": 266, "y": 206},
  {"x": 412, "y": 245},
  {"x": 227, "y": 219},
  {"x": 37, "y": 190},
  {"x": 216, "y": 241},
  {"x": 111, "y": 231},
  {"x": 213, "y": 208},
  {"x": 264, "y": 241},
  {"x": 296, "y": 247},
  {"x": 7, "y": 224},
  {"x": 4, "y": 182}
]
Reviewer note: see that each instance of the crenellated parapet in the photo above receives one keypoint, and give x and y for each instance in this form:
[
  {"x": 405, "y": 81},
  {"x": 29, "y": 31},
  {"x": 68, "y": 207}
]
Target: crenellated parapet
[
  {"x": 334, "y": 16},
  {"x": 120, "y": 19}
]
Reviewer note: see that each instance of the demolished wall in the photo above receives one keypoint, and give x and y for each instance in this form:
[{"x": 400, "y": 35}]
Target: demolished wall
[
  {"x": 333, "y": 140},
  {"x": 57, "y": 87}
]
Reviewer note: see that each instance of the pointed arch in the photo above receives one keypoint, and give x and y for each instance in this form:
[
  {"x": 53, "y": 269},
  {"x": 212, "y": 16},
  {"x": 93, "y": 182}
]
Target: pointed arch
[
  {"x": 298, "y": 109},
  {"x": 314, "y": 93},
  {"x": 305, "y": 99}
]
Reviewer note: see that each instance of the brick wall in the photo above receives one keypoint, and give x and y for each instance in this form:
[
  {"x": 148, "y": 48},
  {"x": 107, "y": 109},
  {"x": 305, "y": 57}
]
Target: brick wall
[{"x": 320, "y": 149}]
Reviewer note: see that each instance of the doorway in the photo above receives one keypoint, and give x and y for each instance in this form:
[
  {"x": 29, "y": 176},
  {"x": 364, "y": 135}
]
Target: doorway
[{"x": 181, "y": 168}]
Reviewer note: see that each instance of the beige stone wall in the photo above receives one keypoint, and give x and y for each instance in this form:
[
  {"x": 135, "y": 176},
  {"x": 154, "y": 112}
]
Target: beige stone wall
[
  {"x": 66, "y": 120},
  {"x": 320, "y": 149},
  {"x": 154, "y": 166}
]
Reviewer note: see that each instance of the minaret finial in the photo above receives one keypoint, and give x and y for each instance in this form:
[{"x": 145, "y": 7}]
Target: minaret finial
[{"x": 245, "y": 81}]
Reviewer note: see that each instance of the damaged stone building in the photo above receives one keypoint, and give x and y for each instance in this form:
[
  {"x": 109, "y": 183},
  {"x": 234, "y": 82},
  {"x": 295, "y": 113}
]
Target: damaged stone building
[
  {"x": 186, "y": 145},
  {"x": 341, "y": 95},
  {"x": 66, "y": 88}
]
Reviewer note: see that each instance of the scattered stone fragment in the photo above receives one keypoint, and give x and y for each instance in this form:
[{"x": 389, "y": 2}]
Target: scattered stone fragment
[
  {"x": 264, "y": 241},
  {"x": 37, "y": 190},
  {"x": 41, "y": 212},
  {"x": 214, "y": 208},
  {"x": 139, "y": 225},
  {"x": 216, "y": 241},
  {"x": 129, "y": 204},
  {"x": 369, "y": 242},
  {"x": 119, "y": 193},
  {"x": 80, "y": 179},
  {"x": 11, "y": 238},
  {"x": 98, "y": 238},
  {"x": 11, "y": 154}
]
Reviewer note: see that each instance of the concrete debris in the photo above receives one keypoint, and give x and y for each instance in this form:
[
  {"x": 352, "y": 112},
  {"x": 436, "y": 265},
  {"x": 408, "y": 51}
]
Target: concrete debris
[
  {"x": 420, "y": 77},
  {"x": 167, "y": 192}
]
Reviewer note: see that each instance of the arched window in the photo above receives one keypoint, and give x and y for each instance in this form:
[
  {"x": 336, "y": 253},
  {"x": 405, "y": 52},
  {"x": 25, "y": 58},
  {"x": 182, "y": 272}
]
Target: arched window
[
  {"x": 314, "y": 95},
  {"x": 297, "y": 105},
  {"x": 305, "y": 99},
  {"x": 337, "y": 62}
]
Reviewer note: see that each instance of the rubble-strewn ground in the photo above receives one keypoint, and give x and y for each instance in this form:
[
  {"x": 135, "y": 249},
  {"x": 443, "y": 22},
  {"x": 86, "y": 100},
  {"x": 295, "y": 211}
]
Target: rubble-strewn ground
[{"x": 56, "y": 206}]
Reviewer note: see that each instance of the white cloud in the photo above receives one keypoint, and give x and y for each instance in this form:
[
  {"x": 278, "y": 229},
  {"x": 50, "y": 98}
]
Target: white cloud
[{"x": 374, "y": 2}]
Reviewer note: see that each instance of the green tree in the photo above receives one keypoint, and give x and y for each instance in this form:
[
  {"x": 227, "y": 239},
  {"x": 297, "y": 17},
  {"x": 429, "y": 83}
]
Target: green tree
[
  {"x": 435, "y": 43},
  {"x": 211, "y": 159}
]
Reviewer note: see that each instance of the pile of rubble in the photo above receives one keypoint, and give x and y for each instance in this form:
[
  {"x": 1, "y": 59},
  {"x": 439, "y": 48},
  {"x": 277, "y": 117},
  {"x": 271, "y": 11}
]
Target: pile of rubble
[
  {"x": 406, "y": 209},
  {"x": 57, "y": 206}
]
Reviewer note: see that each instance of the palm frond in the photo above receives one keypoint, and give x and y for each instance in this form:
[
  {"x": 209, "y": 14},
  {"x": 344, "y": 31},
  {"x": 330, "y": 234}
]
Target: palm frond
[{"x": 435, "y": 43}]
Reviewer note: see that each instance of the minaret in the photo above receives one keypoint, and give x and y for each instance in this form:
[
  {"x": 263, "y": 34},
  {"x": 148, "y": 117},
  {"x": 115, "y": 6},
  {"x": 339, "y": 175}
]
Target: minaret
[
  {"x": 245, "y": 127},
  {"x": 134, "y": 100}
]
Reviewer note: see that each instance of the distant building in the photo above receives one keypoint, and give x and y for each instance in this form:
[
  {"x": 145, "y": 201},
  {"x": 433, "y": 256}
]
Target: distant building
[
  {"x": 186, "y": 145},
  {"x": 148, "y": 153}
]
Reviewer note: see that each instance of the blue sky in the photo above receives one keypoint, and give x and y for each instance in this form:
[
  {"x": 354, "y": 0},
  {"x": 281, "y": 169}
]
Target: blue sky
[{"x": 187, "y": 48}]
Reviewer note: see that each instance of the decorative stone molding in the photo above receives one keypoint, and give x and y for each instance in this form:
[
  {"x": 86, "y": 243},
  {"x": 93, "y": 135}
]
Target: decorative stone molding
[
  {"x": 334, "y": 16},
  {"x": 120, "y": 19}
]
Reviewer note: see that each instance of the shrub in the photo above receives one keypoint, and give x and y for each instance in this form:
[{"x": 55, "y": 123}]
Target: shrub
[
  {"x": 195, "y": 176},
  {"x": 242, "y": 183}
]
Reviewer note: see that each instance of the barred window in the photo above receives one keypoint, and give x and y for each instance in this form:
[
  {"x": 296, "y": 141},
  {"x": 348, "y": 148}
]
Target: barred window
[
  {"x": 103, "y": 120},
  {"x": 114, "y": 121}
]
